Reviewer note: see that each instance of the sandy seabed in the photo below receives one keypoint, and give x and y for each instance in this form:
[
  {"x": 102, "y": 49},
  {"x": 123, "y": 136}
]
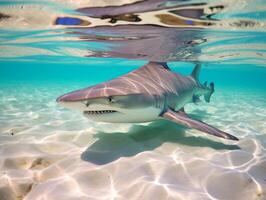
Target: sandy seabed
[{"x": 49, "y": 153}]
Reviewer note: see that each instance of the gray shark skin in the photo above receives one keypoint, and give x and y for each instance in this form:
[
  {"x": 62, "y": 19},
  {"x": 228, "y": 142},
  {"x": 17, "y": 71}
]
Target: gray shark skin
[{"x": 146, "y": 94}]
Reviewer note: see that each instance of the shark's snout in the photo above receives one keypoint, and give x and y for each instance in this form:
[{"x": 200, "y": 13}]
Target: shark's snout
[
  {"x": 73, "y": 100},
  {"x": 59, "y": 99},
  {"x": 72, "y": 97}
]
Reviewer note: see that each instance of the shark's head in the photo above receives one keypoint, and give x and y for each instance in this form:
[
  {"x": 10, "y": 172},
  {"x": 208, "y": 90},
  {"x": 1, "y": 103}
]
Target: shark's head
[{"x": 112, "y": 102}]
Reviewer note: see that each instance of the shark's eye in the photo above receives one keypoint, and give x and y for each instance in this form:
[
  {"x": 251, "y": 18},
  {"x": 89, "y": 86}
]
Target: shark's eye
[{"x": 110, "y": 99}]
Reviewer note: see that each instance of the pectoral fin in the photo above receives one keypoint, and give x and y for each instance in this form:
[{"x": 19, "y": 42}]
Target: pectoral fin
[{"x": 181, "y": 118}]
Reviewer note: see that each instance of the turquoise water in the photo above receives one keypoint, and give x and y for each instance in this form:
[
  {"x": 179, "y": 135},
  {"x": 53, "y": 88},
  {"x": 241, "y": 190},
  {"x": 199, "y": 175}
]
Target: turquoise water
[{"x": 48, "y": 48}]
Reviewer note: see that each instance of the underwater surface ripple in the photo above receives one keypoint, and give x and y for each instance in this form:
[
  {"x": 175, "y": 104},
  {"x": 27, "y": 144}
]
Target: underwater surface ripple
[{"x": 48, "y": 48}]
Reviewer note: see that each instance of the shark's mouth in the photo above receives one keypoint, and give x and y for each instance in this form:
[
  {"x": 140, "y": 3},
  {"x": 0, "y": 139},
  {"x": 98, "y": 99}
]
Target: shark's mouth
[{"x": 97, "y": 112}]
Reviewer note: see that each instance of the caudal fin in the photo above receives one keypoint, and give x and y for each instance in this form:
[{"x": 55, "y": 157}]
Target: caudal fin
[
  {"x": 209, "y": 89},
  {"x": 208, "y": 95},
  {"x": 196, "y": 71}
]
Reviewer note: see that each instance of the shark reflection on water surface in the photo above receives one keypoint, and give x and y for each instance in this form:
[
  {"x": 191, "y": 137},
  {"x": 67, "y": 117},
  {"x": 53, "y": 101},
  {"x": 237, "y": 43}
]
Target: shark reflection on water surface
[{"x": 146, "y": 30}]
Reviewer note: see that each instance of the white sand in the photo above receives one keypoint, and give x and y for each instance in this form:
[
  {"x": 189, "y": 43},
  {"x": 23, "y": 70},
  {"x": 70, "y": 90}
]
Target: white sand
[{"x": 56, "y": 154}]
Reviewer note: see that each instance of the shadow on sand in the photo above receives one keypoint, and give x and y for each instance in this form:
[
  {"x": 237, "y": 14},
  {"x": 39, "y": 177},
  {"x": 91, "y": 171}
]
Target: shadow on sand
[{"x": 111, "y": 146}]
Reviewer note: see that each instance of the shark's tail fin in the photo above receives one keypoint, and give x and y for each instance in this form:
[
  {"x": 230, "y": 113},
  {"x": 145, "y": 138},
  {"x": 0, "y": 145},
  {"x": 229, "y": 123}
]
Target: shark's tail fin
[
  {"x": 208, "y": 95},
  {"x": 196, "y": 71},
  {"x": 209, "y": 89}
]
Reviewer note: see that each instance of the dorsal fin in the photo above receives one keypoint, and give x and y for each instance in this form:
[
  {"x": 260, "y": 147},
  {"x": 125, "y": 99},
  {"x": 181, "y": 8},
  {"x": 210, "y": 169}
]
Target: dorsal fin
[
  {"x": 163, "y": 64},
  {"x": 196, "y": 71}
]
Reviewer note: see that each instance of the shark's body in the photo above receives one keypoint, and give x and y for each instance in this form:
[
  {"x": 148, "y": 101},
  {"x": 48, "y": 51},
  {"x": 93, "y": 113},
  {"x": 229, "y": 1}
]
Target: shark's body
[{"x": 144, "y": 95}]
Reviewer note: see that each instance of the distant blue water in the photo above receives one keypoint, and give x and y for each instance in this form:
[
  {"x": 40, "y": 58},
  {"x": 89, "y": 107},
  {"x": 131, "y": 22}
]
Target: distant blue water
[{"x": 244, "y": 76}]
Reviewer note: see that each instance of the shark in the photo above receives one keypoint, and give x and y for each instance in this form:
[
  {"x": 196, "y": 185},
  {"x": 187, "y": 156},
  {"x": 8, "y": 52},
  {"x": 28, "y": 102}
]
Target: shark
[{"x": 146, "y": 94}]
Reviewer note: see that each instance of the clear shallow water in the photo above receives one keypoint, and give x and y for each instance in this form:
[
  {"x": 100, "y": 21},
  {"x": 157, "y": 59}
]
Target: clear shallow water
[{"x": 48, "y": 152}]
